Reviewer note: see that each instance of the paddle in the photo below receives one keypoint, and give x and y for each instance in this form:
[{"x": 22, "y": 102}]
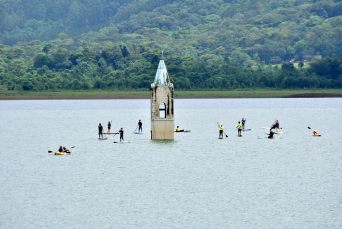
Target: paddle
[
  {"x": 309, "y": 127},
  {"x": 135, "y": 129},
  {"x": 223, "y": 131}
]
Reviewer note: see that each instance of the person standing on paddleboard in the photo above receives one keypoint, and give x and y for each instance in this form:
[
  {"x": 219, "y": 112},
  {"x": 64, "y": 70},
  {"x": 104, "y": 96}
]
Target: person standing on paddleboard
[
  {"x": 109, "y": 126},
  {"x": 239, "y": 129},
  {"x": 100, "y": 131},
  {"x": 271, "y": 134},
  {"x": 221, "y": 131},
  {"x": 243, "y": 123},
  {"x": 121, "y": 131},
  {"x": 140, "y": 125}
]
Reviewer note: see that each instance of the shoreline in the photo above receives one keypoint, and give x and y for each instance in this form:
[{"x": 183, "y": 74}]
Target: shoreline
[{"x": 236, "y": 94}]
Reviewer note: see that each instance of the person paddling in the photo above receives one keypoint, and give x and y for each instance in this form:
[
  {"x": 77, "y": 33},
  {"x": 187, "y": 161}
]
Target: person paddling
[
  {"x": 100, "y": 131},
  {"x": 243, "y": 123},
  {"x": 221, "y": 131},
  {"x": 179, "y": 130},
  {"x": 315, "y": 133},
  {"x": 60, "y": 149},
  {"x": 275, "y": 125},
  {"x": 271, "y": 134},
  {"x": 121, "y": 131},
  {"x": 239, "y": 129},
  {"x": 140, "y": 125},
  {"x": 109, "y": 126}
]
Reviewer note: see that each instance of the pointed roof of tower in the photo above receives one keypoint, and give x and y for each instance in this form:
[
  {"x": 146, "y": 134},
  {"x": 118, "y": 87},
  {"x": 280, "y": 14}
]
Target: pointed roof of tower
[{"x": 162, "y": 77}]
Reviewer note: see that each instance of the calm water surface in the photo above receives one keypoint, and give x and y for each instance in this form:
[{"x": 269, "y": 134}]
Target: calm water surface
[{"x": 195, "y": 181}]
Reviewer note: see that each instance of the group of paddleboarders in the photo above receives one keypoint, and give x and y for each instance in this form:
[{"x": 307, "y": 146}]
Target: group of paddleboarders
[
  {"x": 121, "y": 131},
  {"x": 240, "y": 127}
]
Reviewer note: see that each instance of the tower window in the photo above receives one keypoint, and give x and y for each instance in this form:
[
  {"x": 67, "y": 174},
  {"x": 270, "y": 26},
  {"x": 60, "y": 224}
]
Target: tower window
[{"x": 162, "y": 110}]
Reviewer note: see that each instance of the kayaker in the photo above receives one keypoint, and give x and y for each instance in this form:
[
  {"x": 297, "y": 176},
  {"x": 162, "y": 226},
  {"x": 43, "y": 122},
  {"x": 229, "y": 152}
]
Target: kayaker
[
  {"x": 271, "y": 134},
  {"x": 109, "y": 126},
  {"x": 315, "y": 132},
  {"x": 65, "y": 149},
  {"x": 140, "y": 125},
  {"x": 121, "y": 131},
  {"x": 239, "y": 128},
  {"x": 179, "y": 130},
  {"x": 243, "y": 123},
  {"x": 100, "y": 131},
  {"x": 221, "y": 131},
  {"x": 60, "y": 149}
]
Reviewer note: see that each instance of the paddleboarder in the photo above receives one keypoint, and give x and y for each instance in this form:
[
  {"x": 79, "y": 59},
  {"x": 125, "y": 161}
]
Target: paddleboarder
[
  {"x": 100, "y": 131},
  {"x": 275, "y": 125},
  {"x": 239, "y": 129},
  {"x": 221, "y": 131},
  {"x": 121, "y": 131},
  {"x": 271, "y": 134},
  {"x": 243, "y": 123},
  {"x": 109, "y": 126},
  {"x": 140, "y": 125}
]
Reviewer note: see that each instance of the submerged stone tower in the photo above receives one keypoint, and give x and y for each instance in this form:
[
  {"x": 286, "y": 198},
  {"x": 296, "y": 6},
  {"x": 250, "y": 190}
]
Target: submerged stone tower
[{"x": 162, "y": 110}]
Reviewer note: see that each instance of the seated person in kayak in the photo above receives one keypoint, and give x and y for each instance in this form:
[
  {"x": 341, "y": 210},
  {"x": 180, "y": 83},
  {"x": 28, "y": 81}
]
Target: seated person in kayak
[
  {"x": 271, "y": 134},
  {"x": 60, "y": 149},
  {"x": 65, "y": 149},
  {"x": 315, "y": 132},
  {"x": 179, "y": 130}
]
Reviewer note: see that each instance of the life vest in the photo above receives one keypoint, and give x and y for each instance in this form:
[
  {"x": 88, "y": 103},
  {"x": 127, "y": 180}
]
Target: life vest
[{"x": 221, "y": 127}]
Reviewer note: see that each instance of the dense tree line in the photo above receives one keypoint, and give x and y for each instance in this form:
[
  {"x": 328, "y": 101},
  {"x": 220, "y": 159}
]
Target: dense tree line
[
  {"x": 38, "y": 67},
  {"x": 247, "y": 32}
]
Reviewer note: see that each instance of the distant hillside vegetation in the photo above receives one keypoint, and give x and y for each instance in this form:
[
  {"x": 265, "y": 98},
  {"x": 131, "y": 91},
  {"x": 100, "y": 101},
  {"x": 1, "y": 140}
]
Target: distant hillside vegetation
[
  {"x": 208, "y": 44},
  {"x": 246, "y": 31}
]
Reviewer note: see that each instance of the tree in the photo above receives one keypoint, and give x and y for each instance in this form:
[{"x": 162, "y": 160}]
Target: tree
[
  {"x": 300, "y": 64},
  {"x": 40, "y": 60},
  {"x": 47, "y": 48}
]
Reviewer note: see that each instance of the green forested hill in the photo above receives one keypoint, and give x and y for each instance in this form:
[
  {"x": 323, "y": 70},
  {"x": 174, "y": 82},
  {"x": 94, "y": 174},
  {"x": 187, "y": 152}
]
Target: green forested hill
[{"x": 221, "y": 44}]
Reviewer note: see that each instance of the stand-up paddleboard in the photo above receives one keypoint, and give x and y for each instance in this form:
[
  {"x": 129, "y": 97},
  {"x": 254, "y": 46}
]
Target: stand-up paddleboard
[
  {"x": 220, "y": 138},
  {"x": 110, "y": 133},
  {"x": 138, "y": 132},
  {"x": 246, "y": 129},
  {"x": 122, "y": 142},
  {"x": 102, "y": 139},
  {"x": 186, "y": 131},
  {"x": 239, "y": 135},
  {"x": 267, "y": 128}
]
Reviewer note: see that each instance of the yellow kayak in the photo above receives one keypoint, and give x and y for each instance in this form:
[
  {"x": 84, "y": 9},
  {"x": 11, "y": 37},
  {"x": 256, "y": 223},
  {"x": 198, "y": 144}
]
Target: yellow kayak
[{"x": 62, "y": 153}]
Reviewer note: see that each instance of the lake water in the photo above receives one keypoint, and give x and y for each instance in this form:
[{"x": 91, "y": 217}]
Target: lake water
[{"x": 195, "y": 181}]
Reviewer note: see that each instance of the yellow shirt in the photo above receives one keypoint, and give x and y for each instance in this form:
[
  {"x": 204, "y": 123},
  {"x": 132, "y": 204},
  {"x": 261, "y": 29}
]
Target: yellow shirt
[{"x": 177, "y": 129}]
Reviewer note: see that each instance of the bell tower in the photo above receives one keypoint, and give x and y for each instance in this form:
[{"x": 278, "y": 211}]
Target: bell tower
[{"x": 162, "y": 107}]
